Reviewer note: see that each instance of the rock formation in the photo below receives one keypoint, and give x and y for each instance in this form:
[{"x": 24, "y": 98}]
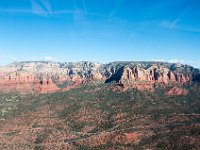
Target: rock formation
[
  {"x": 44, "y": 77},
  {"x": 175, "y": 91}
]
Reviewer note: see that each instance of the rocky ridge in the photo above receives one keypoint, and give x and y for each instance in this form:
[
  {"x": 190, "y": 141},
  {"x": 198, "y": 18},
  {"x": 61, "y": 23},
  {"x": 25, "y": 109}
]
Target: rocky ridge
[{"x": 44, "y": 77}]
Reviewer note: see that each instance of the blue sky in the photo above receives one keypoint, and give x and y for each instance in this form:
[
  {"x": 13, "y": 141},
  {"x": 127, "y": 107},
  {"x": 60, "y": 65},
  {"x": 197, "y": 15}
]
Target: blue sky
[{"x": 100, "y": 30}]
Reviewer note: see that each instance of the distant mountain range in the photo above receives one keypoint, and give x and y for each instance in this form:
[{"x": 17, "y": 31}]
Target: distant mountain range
[{"x": 43, "y": 77}]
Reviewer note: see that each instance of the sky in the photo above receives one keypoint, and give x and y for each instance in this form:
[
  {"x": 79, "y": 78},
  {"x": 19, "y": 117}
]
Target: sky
[{"x": 100, "y": 30}]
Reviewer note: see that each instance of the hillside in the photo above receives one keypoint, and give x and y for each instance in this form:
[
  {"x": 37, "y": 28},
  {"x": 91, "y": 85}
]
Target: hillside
[
  {"x": 95, "y": 117},
  {"x": 87, "y": 105}
]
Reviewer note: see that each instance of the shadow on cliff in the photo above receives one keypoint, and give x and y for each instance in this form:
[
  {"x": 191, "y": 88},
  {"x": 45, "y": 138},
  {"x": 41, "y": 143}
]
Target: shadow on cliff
[
  {"x": 117, "y": 76},
  {"x": 196, "y": 77}
]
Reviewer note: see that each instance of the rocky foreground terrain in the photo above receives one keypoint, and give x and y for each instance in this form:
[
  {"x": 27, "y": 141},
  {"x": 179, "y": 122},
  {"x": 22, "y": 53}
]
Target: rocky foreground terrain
[
  {"x": 45, "y": 77},
  {"x": 93, "y": 106}
]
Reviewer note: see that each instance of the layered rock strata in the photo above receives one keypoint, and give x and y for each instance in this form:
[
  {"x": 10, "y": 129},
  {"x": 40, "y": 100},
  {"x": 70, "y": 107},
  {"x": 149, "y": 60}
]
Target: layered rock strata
[{"x": 44, "y": 77}]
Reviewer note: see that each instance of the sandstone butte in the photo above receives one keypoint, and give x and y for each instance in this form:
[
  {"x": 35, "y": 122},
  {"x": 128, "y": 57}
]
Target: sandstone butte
[{"x": 47, "y": 77}]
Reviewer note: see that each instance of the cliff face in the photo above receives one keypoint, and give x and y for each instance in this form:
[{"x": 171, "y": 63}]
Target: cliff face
[
  {"x": 44, "y": 77},
  {"x": 151, "y": 72}
]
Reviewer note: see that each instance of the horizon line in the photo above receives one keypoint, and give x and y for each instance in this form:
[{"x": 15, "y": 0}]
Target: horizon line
[{"x": 117, "y": 61}]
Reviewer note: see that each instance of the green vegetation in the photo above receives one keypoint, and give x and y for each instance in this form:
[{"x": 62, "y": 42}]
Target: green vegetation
[{"x": 85, "y": 113}]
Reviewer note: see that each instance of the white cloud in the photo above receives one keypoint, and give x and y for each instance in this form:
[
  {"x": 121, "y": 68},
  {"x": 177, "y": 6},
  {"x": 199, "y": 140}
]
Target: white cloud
[
  {"x": 174, "y": 23},
  {"x": 194, "y": 63},
  {"x": 158, "y": 60},
  {"x": 188, "y": 62},
  {"x": 39, "y": 9},
  {"x": 176, "y": 61},
  {"x": 49, "y": 58}
]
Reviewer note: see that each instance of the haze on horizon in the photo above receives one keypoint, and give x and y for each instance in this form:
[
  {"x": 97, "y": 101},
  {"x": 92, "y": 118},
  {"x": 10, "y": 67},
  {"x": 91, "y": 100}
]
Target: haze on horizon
[{"x": 102, "y": 31}]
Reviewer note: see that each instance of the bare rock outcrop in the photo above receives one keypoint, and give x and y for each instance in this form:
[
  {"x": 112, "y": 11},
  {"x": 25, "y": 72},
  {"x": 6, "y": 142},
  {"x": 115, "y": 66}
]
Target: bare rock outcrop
[
  {"x": 137, "y": 73},
  {"x": 44, "y": 77},
  {"x": 175, "y": 91}
]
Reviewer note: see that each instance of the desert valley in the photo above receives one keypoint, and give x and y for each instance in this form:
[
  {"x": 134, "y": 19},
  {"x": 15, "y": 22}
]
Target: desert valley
[{"x": 89, "y": 105}]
